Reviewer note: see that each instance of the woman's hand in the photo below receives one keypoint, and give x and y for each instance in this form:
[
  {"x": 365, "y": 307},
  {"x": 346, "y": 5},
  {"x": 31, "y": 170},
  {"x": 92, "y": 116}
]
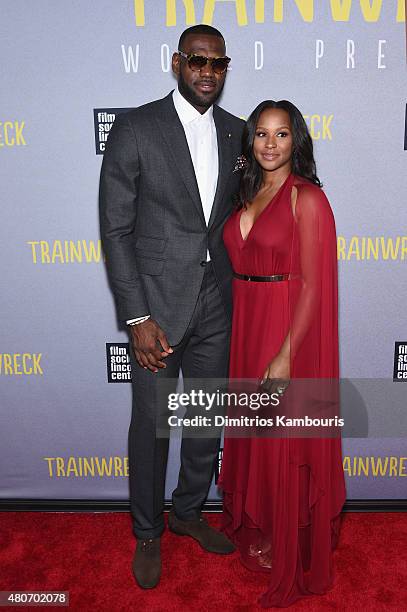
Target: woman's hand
[
  {"x": 279, "y": 368},
  {"x": 277, "y": 374}
]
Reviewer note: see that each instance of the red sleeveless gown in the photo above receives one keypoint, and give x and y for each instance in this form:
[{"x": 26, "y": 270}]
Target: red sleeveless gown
[{"x": 285, "y": 494}]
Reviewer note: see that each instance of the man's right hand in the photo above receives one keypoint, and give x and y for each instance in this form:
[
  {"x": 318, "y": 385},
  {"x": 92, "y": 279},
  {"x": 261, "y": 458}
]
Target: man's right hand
[{"x": 147, "y": 340}]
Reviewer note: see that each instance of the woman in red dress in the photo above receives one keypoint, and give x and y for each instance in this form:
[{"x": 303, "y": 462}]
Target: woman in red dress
[{"x": 283, "y": 495}]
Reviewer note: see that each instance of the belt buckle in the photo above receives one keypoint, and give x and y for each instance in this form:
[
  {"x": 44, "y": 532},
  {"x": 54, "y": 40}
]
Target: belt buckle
[{"x": 249, "y": 278}]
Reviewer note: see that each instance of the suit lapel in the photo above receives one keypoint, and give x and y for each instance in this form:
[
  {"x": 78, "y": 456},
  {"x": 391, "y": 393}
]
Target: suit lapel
[
  {"x": 174, "y": 136},
  {"x": 224, "y": 138}
]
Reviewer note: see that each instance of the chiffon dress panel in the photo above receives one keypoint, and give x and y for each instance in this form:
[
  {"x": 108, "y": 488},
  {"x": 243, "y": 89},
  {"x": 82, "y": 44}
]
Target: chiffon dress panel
[{"x": 285, "y": 495}]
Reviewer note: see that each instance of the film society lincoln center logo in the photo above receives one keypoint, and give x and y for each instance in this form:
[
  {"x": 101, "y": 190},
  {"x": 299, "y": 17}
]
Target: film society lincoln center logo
[
  {"x": 400, "y": 362},
  {"x": 218, "y": 465},
  {"x": 118, "y": 362},
  {"x": 103, "y": 119}
]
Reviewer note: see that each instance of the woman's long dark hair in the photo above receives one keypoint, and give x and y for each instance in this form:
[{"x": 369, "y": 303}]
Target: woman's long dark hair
[{"x": 303, "y": 163}]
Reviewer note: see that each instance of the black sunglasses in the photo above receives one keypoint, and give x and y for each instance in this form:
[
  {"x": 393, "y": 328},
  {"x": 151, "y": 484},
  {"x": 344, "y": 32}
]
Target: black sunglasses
[{"x": 197, "y": 62}]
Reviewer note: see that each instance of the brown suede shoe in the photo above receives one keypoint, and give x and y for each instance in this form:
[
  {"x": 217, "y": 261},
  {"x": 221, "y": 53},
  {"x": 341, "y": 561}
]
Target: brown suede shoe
[
  {"x": 210, "y": 539},
  {"x": 147, "y": 563}
]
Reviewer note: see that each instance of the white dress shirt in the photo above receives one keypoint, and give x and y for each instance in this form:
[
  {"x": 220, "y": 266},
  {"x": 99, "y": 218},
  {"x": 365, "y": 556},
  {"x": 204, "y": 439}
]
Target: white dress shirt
[{"x": 200, "y": 132}]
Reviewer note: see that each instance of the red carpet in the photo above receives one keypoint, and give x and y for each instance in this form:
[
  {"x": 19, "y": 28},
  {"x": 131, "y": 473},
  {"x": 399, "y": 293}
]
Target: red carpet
[{"x": 90, "y": 555}]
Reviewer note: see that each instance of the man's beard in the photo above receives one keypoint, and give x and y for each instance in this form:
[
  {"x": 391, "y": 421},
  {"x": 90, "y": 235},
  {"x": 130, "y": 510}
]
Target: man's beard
[{"x": 194, "y": 98}]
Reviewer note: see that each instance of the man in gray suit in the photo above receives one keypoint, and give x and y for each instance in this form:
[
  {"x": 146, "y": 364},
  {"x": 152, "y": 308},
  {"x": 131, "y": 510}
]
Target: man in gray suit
[{"x": 166, "y": 189}]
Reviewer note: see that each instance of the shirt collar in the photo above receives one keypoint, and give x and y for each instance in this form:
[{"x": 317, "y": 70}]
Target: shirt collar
[{"x": 186, "y": 112}]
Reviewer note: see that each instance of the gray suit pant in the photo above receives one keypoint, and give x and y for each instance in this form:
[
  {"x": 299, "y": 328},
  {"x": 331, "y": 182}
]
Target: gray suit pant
[{"x": 202, "y": 353}]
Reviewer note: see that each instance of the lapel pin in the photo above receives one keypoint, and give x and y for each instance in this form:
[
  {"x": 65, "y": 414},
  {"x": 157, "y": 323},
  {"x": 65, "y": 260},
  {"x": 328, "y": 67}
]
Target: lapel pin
[
  {"x": 229, "y": 135},
  {"x": 241, "y": 163}
]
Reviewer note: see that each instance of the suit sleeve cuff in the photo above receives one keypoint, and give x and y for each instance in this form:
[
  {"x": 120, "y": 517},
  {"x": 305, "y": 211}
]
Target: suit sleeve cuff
[{"x": 138, "y": 320}]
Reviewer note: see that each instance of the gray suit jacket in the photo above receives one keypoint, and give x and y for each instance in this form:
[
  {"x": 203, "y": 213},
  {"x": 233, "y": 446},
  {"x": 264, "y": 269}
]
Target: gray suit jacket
[{"x": 153, "y": 227}]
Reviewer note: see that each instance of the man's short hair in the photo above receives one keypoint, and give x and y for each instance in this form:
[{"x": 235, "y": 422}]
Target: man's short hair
[{"x": 201, "y": 28}]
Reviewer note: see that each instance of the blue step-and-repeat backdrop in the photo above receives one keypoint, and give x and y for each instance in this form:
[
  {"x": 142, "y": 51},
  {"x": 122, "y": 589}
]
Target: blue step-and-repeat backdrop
[{"x": 67, "y": 69}]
